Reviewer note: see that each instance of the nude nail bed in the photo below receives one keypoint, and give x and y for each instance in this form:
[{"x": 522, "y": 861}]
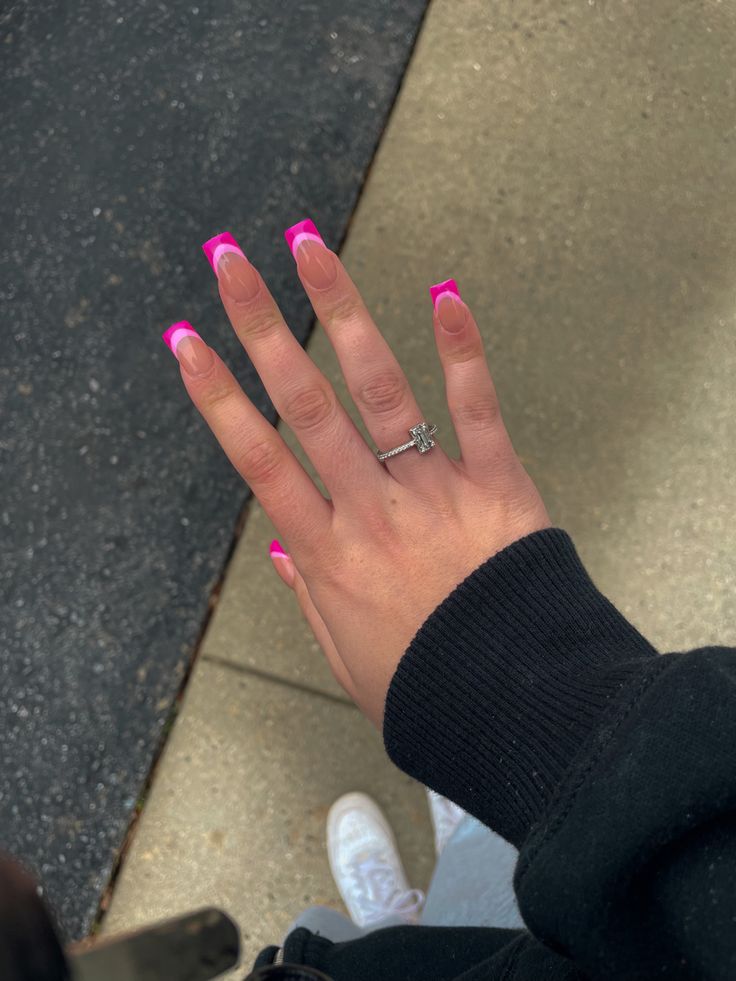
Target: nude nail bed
[
  {"x": 230, "y": 265},
  {"x": 188, "y": 348},
  {"x": 451, "y": 311},
  {"x": 317, "y": 265},
  {"x": 303, "y": 231},
  {"x": 217, "y": 246},
  {"x": 173, "y": 335}
]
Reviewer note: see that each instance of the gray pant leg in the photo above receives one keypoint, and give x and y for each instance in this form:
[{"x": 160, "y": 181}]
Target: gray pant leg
[
  {"x": 472, "y": 883},
  {"x": 336, "y": 926}
]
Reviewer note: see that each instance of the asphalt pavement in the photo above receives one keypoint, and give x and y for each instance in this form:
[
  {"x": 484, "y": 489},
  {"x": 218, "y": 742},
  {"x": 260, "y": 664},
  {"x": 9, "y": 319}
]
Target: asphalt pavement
[{"x": 132, "y": 131}]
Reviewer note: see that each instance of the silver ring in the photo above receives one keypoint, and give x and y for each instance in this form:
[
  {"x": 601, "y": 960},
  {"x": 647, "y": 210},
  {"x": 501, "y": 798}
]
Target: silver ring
[{"x": 421, "y": 435}]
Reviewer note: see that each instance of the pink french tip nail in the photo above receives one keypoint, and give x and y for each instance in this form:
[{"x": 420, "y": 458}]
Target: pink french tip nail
[
  {"x": 215, "y": 247},
  {"x": 303, "y": 231},
  {"x": 277, "y": 551},
  {"x": 176, "y": 333},
  {"x": 439, "y": 289}
]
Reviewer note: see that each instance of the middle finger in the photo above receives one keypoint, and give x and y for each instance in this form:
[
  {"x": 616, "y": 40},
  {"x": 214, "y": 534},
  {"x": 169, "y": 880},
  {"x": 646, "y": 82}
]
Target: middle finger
[{"x": 301, "y": 394}]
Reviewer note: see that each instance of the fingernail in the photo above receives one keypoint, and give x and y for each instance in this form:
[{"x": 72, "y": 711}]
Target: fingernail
[
  {"x": 229, "y": 264},
  {"x": 451, "y": 311},
  {"x": 286, "y": 564},
  {"x": 315, "y": 262},
  {"x": 188, "y": 348},
  {"x": 276, "y": 550}
]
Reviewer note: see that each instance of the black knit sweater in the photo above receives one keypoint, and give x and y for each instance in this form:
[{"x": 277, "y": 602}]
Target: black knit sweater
[{"x": 530, "y": 701}]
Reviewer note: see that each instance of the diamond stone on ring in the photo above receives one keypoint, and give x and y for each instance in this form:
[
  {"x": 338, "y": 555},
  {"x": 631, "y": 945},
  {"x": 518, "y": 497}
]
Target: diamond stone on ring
[{"x": 421, "y": 438}]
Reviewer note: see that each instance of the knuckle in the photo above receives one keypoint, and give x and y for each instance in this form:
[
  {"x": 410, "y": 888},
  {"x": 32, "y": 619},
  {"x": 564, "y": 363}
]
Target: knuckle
[
  {"x": 263, "y": 461},
  {"x": 385, "y": 392},
  {"x": 477, "y": 413},
  {"x": 309, "y": 408},
  {"x": 264, "y": 324},
  {"x": 217, "y": 394},
  {"x": 383, "y": 529},
  {"x": 345, "y": 310},
  {"x": 463, "y": 352}
]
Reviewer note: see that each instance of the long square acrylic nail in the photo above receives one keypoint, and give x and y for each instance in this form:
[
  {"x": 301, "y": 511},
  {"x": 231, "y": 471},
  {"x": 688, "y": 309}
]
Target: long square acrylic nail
[
  {"x": 303, "y": 231},
  {"x": 217, "y": 246},
  {"x": 176, "y": 333},
  {"x": 447, "y": 286}
]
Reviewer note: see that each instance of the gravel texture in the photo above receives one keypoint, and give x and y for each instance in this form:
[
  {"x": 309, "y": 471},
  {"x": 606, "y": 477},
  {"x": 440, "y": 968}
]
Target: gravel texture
[{"x": 131, "y": 132}]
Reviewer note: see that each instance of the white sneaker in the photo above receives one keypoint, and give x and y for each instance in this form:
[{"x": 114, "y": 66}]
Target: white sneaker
[
  {"x": 365, "y": 863},
  {"x": 445, "y": 818}
]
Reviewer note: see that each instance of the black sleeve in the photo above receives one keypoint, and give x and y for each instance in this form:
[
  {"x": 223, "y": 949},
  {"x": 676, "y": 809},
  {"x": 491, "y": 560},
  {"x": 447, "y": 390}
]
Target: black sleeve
[{"x": 531, "y": 702}]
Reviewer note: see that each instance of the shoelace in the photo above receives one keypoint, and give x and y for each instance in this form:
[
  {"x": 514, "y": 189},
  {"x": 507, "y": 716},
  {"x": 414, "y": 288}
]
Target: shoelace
[{"x": 375, "y": 882}]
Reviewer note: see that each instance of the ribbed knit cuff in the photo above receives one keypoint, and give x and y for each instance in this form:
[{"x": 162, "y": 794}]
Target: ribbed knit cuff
[{"x": 506, "y": 680}]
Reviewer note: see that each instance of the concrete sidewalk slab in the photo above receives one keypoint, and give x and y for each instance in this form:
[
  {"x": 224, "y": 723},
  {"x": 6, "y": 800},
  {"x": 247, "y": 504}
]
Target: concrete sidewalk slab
[
  {"x": 572, "y": 166},
  {"x": 237, "y": 813},
  {"x": 259, "y": 626}
]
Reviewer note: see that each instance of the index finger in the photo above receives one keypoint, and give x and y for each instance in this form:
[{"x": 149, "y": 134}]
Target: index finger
[{"x": 256, "y": 449}]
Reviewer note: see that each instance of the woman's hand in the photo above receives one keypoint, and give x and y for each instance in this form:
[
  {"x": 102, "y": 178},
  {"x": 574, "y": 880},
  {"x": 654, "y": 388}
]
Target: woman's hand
[{"x": 370, "y": 563}]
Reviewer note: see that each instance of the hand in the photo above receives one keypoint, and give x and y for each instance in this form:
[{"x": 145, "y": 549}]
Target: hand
[{"x": 369, "y": 564}]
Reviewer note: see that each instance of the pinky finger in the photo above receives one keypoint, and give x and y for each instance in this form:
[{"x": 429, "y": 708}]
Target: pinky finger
[
  {"x": 471, "y": 397},
  {"x": 284, "y": 565}
]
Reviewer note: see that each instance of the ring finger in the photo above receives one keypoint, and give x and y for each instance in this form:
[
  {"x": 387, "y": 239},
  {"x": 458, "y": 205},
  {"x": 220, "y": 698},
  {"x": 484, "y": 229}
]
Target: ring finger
[{"x": 375, "y": 380}]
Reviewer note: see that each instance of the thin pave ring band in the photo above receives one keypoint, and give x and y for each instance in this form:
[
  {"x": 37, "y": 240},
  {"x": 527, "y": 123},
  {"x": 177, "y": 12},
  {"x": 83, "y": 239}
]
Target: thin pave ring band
[{"x": 421, "y": 438}]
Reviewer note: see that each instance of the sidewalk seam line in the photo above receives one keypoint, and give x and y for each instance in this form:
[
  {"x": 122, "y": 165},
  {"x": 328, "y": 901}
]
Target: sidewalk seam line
[
  {"x": 276, "y": 679},
  {"x": 239, "y": 530},
  {"x": 167, "y": 724}
]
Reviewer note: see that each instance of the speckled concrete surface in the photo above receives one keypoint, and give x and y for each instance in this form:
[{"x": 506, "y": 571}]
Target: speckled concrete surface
[
  {"x": 573, "y": 166},
  {"x": 258, "y": 625},
  {"x": 237, "y": 817},
  {"x": 130, "y": 133}
]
